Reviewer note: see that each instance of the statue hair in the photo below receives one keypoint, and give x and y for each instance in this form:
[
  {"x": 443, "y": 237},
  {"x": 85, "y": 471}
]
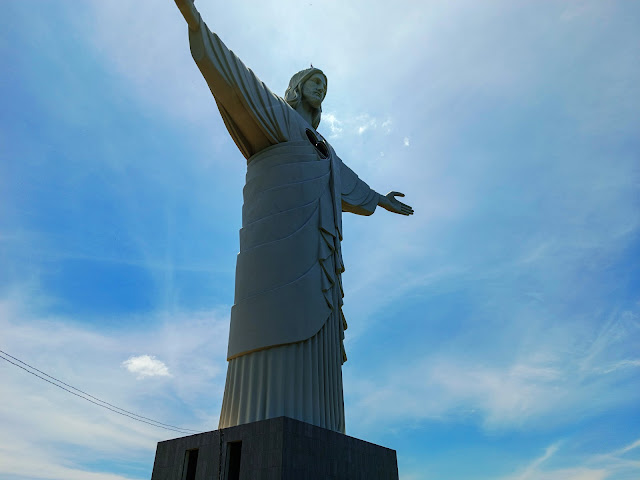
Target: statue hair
[{"x": 293, "y": 95}]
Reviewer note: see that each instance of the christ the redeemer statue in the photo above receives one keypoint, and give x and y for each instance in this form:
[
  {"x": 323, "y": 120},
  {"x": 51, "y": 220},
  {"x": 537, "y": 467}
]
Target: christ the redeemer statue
[{"x": 287, "y": 328}]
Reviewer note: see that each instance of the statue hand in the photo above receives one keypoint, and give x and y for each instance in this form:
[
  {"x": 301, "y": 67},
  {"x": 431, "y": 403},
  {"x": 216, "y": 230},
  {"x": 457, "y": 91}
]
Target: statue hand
[
  {"x": 389, "y": 202},
  {"x": 190, "y": 13}
]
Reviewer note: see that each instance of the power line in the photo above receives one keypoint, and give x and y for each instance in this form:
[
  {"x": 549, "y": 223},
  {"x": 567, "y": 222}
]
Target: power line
[
  {"x": 91, "y": 396},
  {"x": 95, "y": 400}
]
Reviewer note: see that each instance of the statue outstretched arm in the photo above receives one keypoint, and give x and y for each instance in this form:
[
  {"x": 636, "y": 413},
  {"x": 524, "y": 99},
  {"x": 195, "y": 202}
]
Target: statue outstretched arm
[
  {"x": 389, "y": 202},
  {"x": 254, "y": 116},
  {"x": 359, "y": 198},
  {"x": 190, "y": 13}
]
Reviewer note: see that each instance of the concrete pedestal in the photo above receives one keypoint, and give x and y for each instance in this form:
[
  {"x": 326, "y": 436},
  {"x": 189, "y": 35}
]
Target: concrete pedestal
[{"x": 275, "y": 449}]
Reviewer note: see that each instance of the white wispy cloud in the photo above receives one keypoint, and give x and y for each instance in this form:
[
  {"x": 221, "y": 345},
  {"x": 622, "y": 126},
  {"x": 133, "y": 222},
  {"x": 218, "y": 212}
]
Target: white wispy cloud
[
  {"x": 577, "y": 473},
  {"x": 19, "y": 463},
  {"x": 541, "y": 384},
  {"x": 532, "y": 468},
  {"x": 619, "y": 365},
  {"x": 146, "y": 366},
  {"x": 365, "y": 122},
  {"x": 598, "y": 466},
  {"x": 628, "y": 448},
  {"x": 405, "y": 141},
  {"x": 335, "y": 125}
]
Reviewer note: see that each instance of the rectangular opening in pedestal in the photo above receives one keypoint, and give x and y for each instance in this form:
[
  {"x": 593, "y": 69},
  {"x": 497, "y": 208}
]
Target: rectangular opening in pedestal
[
  {"x": 190, "y": 464},
  {"x": 234, "y": 451}
]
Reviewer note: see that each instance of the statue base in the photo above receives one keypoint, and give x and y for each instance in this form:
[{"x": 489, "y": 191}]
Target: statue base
[{"x": 276, "y": 449}]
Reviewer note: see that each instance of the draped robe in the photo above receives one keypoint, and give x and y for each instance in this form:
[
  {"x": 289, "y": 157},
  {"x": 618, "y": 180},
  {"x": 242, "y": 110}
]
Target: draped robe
[{"x": 286, "y": 335}]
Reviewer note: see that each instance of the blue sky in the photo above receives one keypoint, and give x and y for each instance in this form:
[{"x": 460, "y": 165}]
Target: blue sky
[{"x": 493, "y": 335}]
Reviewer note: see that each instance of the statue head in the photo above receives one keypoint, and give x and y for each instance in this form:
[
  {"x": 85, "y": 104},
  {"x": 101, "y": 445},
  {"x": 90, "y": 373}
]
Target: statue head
[{"x": 297, "y": 92}]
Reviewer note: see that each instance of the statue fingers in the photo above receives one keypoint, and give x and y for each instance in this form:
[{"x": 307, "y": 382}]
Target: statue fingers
[{"x": 407, "y": 210}]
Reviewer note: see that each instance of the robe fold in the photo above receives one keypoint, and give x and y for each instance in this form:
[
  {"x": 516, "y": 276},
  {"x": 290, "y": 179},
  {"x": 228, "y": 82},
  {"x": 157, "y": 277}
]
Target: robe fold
[{"x": 286, "y": 336}]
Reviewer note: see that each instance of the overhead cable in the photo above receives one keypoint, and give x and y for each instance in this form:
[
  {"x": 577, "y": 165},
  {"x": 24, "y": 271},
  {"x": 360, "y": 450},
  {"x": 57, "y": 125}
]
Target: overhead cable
[{"x": 90, "y": 398}]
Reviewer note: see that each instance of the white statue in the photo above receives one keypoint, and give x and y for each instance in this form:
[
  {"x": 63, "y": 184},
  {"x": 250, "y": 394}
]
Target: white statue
[{"x": 287, "y": 328}]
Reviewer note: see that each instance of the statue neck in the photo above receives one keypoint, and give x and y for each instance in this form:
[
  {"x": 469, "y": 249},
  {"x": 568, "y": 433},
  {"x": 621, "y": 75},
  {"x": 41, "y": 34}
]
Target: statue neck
[{"x": 306, "y": 112}]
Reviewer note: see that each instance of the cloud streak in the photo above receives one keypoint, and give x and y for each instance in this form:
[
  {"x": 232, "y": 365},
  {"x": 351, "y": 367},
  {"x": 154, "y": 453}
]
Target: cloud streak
[
  {"x": 590, "y": 467},
  {"x": 544, "y": 383}
]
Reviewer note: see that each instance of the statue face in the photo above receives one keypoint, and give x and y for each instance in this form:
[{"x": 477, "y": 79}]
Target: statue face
[{"x": 314, "y": 90}]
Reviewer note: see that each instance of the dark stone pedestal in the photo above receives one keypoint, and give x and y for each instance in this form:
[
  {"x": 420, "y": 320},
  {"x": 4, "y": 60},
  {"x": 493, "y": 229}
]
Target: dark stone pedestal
[{"x": 275, "y": 449}]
